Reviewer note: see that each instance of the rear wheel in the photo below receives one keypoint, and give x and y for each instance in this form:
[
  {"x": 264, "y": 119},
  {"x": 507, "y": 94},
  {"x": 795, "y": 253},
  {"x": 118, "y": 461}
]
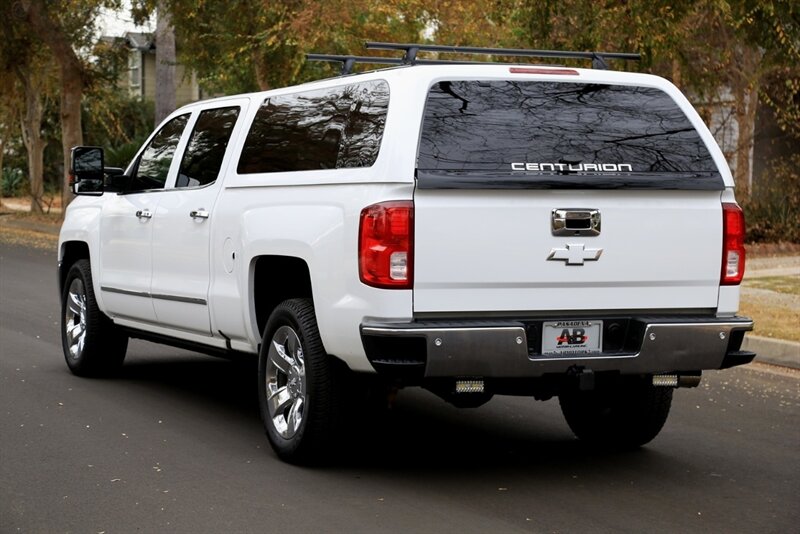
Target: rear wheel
[
  {"x": 92, "y": 344},
  {"x": 299, "y": 395},
  {"x": 623, "y": 418}
]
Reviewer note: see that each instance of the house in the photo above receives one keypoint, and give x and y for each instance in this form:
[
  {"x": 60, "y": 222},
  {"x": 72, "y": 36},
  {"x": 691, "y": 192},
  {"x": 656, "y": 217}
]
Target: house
[{"x": 141, "y": 79}]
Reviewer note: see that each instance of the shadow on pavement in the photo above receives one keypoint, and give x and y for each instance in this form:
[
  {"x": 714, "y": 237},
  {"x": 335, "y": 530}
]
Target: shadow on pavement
[{"x": 420, "y": 433}]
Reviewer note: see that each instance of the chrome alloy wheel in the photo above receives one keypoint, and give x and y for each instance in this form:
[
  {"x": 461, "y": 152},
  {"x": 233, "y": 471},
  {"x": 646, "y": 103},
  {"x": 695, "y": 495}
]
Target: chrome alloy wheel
[
  {"x": 75, "y": 318},
  {"x": 286, "y": 382}
]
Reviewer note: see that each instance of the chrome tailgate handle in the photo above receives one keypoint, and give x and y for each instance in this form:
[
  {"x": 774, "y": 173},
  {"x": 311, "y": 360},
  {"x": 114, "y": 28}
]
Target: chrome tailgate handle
[{"x": 575, "y": 221}]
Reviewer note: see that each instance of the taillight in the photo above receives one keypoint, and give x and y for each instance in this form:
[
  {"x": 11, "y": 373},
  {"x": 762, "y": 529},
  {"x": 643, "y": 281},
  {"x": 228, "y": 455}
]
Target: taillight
[
  {"x": 386, "y": 245},
  {"x": 732, "y": 245}
]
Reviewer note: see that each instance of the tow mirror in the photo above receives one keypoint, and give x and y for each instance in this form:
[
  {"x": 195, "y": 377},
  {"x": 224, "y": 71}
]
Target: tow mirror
[{"x": 86, "y": 170}]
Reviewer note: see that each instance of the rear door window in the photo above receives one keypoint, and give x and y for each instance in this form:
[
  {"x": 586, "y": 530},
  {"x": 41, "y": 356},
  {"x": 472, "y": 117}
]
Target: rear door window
[{"x": 559, "y": 135}]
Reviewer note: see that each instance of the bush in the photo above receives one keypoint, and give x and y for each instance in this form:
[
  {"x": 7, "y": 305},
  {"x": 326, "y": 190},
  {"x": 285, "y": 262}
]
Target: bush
[
  {"x": 121, "y": 155},
  {"x": 14, "y": 183},
  {"x": 772, "y": 211},
  {"x": 118, "y": 123}
]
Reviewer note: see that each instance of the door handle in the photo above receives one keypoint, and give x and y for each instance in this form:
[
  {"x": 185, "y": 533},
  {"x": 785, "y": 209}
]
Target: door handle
[
  {"x": 144, "y": 214},
  {"x": 198, "y": 214}
]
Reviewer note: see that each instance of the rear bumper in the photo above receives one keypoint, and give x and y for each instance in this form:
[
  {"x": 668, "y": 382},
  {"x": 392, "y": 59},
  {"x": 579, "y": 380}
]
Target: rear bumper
[{"x": 512, "y": 349}]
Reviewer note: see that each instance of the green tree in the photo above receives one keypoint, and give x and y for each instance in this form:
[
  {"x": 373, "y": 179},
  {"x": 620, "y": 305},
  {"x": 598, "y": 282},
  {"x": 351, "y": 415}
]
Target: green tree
[
  {"x": 27, "y": 66},
  {"x": 715, "y": 50},
  {"x": 256, "y": 45},
  {"x": 10, "y": 106},
  {"x": 111, "y": 117},
  {"x": 66, "y": 27}
]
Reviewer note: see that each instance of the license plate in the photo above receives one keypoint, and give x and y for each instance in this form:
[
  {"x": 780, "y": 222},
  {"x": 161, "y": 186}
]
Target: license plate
[{"x": 572, "y": 338}]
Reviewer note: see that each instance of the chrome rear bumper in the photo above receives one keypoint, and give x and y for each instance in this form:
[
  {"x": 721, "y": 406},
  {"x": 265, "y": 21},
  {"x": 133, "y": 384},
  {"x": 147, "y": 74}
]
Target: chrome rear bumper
[{"x": 503, "y": 349}]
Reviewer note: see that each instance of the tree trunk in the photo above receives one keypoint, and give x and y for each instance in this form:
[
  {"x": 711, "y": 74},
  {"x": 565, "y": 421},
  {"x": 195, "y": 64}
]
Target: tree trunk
[
  {"x": 165, "y": 63},
  {"x": 752, "y": 111},
  {"x": 71, "y": 69},
  {"x": 677, "y": 75},
  {"x": 2, "y": 153},
  {"x": 34, "y": 144},
  {"x": 745, "y": 90},
  {"x": 71, "y": 128},
  {"x": 261, "y": 71}
]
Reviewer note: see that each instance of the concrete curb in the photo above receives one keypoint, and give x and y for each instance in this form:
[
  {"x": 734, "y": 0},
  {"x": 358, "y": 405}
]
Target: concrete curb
[{"x": 773, "y": 351}]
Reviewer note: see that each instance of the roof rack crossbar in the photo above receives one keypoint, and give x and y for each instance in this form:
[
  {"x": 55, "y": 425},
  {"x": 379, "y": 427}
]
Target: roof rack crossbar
[
  {"x": 348, "y": 62},
  {"x": 411, "y": 50}
]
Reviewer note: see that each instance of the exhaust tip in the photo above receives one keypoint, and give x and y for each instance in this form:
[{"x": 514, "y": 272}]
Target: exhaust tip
[
  {"x": 470, "y": 386},
  {"x": 667, "y": 381},
  {"x": 676, "y": 381}
]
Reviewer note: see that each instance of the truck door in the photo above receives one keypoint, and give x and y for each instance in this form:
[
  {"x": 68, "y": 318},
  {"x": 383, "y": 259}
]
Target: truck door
[
  {"x": 126, "y": 227},
  {"x": 181, "y": 230}
]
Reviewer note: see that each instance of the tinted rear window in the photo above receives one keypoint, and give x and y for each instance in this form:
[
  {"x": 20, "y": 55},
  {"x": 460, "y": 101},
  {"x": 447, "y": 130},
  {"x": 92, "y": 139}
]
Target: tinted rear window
[
  {"x": 552, "y": 129},
  {"x": 323, "y": 129}
]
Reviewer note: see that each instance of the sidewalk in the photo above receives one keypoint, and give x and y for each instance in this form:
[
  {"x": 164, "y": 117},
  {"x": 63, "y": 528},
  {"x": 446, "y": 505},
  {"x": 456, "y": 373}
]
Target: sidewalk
[{"x": 769, "y": 350}]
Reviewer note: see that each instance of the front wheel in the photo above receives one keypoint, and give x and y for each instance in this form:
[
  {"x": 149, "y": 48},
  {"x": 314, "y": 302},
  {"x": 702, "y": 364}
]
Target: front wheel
[
  {"x": 299, "y": 396},
  {"x": 624, "y": 417},
  {"x": 92, "y": 344}
]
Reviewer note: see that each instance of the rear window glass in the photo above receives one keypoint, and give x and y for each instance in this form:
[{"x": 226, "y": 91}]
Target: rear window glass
[
  {"x": 333, "y": 128},
  {"x": 525, "y": 128}
]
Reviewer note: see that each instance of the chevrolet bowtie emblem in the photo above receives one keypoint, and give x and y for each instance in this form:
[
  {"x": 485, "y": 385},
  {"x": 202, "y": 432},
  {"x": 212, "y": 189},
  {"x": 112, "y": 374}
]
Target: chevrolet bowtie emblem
[{"x": 574, "y": 254}]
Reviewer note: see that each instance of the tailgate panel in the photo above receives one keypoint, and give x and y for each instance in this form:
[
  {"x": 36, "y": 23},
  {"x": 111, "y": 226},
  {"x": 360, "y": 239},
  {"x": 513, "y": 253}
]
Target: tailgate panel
[{"x": 487, "y": 251}]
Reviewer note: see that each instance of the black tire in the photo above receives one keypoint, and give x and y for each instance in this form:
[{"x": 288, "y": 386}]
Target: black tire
[
  {"x": 92, "y": 344},
  {"x": 625, "y": 417},
  {"x": 307, "y": 385}
]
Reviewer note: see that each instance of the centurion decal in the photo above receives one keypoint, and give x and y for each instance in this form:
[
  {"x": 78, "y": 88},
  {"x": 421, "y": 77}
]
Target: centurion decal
[{"x": 572, "y": 167}]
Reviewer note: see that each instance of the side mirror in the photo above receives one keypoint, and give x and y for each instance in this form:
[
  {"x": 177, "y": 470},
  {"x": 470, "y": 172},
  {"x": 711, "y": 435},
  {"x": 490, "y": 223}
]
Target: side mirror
[{"x": 86, "y": 170}]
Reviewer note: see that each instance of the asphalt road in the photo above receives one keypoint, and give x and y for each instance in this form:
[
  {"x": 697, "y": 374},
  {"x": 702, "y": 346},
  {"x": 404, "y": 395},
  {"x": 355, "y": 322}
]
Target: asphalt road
[{"x": 175, "y": 445}]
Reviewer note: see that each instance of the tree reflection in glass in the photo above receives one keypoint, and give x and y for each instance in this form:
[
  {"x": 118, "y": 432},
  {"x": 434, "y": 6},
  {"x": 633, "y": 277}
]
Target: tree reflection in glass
[
  {"x": 487, "y": 125},
  {"x": 332, "y": 128},
  {"x": 153, "y": 167}
]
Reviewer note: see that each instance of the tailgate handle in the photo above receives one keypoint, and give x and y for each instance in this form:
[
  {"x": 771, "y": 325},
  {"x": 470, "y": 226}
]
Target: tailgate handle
[{"x": 575, "y": 221}]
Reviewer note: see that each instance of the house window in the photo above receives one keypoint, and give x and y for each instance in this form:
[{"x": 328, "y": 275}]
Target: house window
[{"x": 135, "y": 72}]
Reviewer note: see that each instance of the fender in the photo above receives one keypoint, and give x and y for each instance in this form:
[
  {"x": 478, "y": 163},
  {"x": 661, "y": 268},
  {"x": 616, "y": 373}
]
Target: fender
[
  {"x": 82, "y": 224},
  {"x": 280, "y": 221}
]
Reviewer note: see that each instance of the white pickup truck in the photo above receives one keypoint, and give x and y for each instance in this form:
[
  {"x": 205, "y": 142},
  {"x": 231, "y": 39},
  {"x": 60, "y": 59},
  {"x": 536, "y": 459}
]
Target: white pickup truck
[{"x": 473, "y": 229}]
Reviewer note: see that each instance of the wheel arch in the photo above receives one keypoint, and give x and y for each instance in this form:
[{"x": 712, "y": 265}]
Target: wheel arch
[
  {"x": 277, "y": 278},
  {"x": 71, "y": 251}
]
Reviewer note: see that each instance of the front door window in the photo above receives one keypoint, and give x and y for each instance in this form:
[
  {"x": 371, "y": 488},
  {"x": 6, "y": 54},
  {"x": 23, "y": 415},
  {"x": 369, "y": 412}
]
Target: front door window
[{"x": 154, "y": 163}]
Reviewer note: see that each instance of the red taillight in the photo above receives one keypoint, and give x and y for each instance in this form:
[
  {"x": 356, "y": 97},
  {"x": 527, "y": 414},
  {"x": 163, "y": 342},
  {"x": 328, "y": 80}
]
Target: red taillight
[
  {"x": 732, "y": 245},
  {"x": 386, "y": 245}
]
